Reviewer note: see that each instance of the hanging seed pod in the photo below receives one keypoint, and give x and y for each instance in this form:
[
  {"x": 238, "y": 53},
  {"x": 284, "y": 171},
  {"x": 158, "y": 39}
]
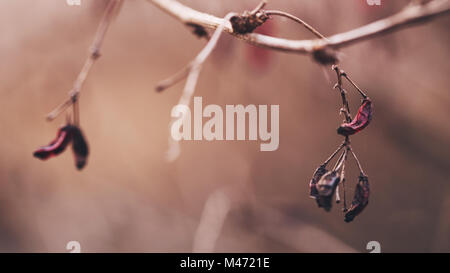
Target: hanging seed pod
[
  {"x": 57, "y": 146},
  {"x": 326, "y": 188},
  {"x": 318, "y": 173},
  {"x": 361, "y": 120},
  {"x": 360, "y": 199},
  {"x": 80, "y": 148}
]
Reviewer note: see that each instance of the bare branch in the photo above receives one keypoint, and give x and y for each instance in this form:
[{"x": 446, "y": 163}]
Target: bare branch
[
  {"x": 354, "y": 85},
  {"x": 110, "y": 12},
  {"x": 214, "y": 214},
  {"x": 343, "y": 179},
  {"x": 296, "y": 19},
  {"x": 192, "y": 71},
  {"x": 259, "y": 7},
  {"x": 177, "y": 77},
  {"x": 410, "y": 15},
  {"x": 334, "y": 153},
  {"x": 357, "y": 161},
  {"x": 345, "y": 107}
]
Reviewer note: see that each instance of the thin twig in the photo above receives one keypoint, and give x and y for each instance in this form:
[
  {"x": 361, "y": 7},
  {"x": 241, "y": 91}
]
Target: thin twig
[
  {"x": 193, "y": 69},
  {"x": 409, "y": 16},
  {"x": 76, "y": 113},
  {"x": 177, "y": 77},
  {"x": 334, "y": 154},
  {"x": 345, "y": 107},
  {"x": 93, "y": 56},
  {"x": 214, "y": 214},
  {"x": 338, "y": 198},
  {"x": 260, "y": 6},
  {"x": 343, "y": 179},
  {"x": 354, "y": 85},
  {"x": 196, "y": 63},
  {"x": 340, "y": 73},
  {"x": 183, "y": 73},
  {"x": 357, "y": 161},
  {"x": 338, "y": 163},
  {"x": 296, "y": 19}
]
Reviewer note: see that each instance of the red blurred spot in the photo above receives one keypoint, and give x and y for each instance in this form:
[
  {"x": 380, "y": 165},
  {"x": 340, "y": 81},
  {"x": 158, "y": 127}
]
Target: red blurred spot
[{"x": 258, "y": 57}]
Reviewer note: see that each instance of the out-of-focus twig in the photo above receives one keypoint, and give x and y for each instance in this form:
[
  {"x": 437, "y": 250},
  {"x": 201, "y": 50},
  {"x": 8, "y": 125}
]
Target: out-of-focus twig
[
  {"x": 282, "y": 228},
  {"x": 214, "y": 214},
  {"x": 192, "y": 71}
]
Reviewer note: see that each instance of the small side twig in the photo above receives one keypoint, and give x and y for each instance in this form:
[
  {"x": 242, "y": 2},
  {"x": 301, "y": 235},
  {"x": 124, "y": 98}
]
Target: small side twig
[
  {"x": 357, "y": 161},
  {"x": 259, "y": 7},
  {"x": 93, "y": 56},
  {"x": 345, "y": 107},
  {"x": 334, "y": 154},
  {"x": 325, "y": 57},
  {"x": 343, "y": 179},
  {"x": 340, "y": 161},
  {"x": 196, "y": 63},
  {"x": 296, "y": 19},
  {"x": 192, "y": 71},
  {"x": 177, "y": 77},
  {"x": 354, "y": 84},
  {"x": 341, "y": 165}
]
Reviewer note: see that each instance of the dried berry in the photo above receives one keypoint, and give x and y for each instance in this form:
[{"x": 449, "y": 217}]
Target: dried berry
[
  {"x": 360, "y": 199},
  {"x": 326, "y": 188},
  {"x": 361, "y": 120},
  {"x": 318, "y": 173},
  {"x": 57, "y": 146},
  {"x": 66, "y": 134},
  {"x": 80, "y": 148}
]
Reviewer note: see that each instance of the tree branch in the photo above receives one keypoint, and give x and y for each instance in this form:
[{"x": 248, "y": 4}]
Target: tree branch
[
  {"x": 410, "y": 15},
  {"x": 109, "y": 13}
]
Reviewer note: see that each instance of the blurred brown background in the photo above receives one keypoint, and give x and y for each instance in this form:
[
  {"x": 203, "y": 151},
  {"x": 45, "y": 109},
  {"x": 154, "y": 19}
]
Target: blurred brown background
[{"x": 129, "y": 198}]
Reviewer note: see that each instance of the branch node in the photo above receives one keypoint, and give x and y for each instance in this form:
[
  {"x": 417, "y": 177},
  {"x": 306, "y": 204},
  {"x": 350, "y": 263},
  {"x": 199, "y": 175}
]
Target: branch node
[
  {"x": 95, "y": 53},
  {"x": 247, "y": 22}
]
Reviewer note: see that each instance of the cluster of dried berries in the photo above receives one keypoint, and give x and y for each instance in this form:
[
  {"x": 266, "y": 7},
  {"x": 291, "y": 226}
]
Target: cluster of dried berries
[
  {"x": 67, "y": 134},
  {"x": 325, "y": 183}
]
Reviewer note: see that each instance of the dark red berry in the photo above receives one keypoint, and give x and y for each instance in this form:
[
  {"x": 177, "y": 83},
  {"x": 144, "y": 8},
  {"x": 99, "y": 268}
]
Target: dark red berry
[
  {"x": 361, "y": 120},
  {"x": 360, "y": 199},
  {"x": 57, "y": 146}
]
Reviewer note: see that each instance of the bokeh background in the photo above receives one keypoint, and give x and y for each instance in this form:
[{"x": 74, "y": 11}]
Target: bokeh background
[{"x": 223, "y": 196}]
